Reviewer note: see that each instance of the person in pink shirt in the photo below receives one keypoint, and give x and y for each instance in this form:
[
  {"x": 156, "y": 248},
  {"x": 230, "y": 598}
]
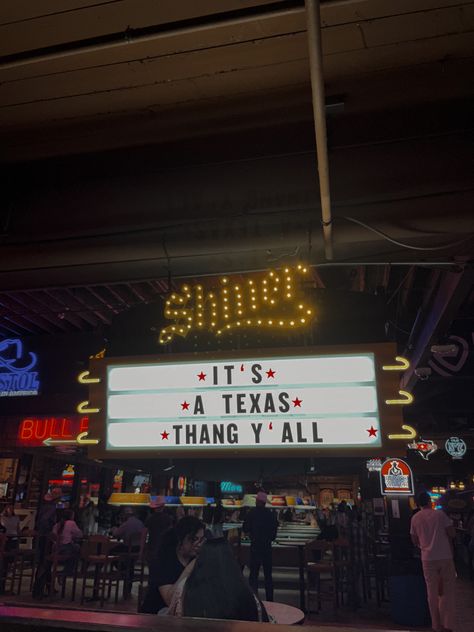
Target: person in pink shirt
[
  {"x": 432, "y": 532},
  {"x": 67, "y": 533}
]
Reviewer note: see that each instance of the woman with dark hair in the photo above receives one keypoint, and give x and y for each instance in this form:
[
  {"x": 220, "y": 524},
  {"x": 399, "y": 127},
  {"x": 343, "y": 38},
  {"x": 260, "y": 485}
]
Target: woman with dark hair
[
  {"x": 173, "y": 562},
  {"x": 216, "y": 588}
]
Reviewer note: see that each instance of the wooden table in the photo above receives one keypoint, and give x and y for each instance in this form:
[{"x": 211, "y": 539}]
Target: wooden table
[{"x": 284, "y": 614}]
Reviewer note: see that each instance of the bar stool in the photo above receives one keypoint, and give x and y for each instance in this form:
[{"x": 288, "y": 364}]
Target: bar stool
[
  {"x": 343, "y": 565},
  {"x": 26, "y": 558},
  {"x": 321, "y": 572},
  {"x": 139, "y": 559},
  {"x": 95, "y": 553}
]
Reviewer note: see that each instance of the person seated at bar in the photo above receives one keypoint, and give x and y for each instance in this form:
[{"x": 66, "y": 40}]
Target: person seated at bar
[
  {"x": 129, "y": 531},
  {"x": 158, "y": 523},
  {"x": 216, "y": 588},
  {"x": 173, "y": 563},
  {"x": 67, "y": 532}
]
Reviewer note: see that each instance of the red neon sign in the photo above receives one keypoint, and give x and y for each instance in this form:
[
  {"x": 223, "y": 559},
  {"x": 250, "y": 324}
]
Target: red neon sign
[{"x": 34, "y": 430}]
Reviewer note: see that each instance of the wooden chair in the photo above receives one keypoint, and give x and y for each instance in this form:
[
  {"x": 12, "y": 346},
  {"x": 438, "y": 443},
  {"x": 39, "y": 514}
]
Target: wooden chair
[
  {"x": 95, "y": 553},
  {"x": 343, "y": 563},
  {"x": 57, "y": 560},
  {"x": 26, "y": 558},
  {"x": 140, "y": 561},
  {"x": 321, "y": 572}
]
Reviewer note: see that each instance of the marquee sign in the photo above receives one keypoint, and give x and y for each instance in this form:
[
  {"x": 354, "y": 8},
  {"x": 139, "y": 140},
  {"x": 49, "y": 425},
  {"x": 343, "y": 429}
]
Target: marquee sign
[
  {"x": 261, "y": 403},
  {"x": 17, "y": 377},
  {"x": 396, "y": 478}
]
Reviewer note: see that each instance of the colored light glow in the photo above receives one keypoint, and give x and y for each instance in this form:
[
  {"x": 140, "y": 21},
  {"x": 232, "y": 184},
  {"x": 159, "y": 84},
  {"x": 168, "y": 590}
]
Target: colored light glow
[
  {"x": 405, "y": 399},
  {"x": 84, "y": 378},
  {"x": 34, "y": 430},
  {"x": 402, "y": 365},
  {"x": 410, "y": 433},
  {"x": 84, "y": 407}
]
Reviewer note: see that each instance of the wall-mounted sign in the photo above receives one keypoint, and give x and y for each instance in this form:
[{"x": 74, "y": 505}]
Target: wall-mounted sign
[
  {"x": 273, "y": 300},
  {"x": 38, "y": 430},
  {"x": 396, "y": 478},
  {"x": 455, "y": 447},
  {"x": 308, "y": 401},
  {"x": 17, "y": 377},
  {"x": 424, "y": 447},
  {"x": 374, "y": 465}
]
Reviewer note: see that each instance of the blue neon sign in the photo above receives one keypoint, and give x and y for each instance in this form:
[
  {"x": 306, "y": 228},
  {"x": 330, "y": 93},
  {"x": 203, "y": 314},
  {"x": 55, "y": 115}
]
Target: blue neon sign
[
  {"x": 16, "y": 375},
  {"x": 227, "y": 487}
]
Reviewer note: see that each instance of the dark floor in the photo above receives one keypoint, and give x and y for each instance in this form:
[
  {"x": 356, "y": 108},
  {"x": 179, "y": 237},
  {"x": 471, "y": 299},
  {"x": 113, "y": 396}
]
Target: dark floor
[{"x": 367, "y": 616}]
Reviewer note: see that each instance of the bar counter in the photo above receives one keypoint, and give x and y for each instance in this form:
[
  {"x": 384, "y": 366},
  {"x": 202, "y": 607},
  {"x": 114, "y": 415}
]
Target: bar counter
[{"x": 25, "y": 619}]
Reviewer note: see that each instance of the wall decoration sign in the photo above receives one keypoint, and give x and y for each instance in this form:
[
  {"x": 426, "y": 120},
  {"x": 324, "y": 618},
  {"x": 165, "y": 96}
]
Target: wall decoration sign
[
  {"x": 396, "y": 478},
  {"x": 424, "y": 447},
  {"x": 455, "y": 447},
  {"x": 17, "y": 374},
  {"x": 307, "y": 403}
]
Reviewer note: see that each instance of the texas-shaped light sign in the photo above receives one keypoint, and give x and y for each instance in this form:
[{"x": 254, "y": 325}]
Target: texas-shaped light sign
[{"x": 266, "y": 402}]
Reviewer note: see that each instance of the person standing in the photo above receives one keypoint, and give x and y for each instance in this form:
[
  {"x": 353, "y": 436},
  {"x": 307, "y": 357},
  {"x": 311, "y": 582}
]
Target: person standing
[
  {"x": 261, "y": 525},
  {"x": 157, "y": 524},
  {"x": 432, "y": 531}
]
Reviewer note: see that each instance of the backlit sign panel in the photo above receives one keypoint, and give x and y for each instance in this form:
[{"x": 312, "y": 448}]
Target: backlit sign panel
[
  {"x": 303, "y": 401},
  {"x": 396, "y": 478}
]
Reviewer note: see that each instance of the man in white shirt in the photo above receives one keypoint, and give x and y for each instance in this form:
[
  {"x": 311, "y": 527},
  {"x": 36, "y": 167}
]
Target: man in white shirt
[{"x": 432, "y": 531}]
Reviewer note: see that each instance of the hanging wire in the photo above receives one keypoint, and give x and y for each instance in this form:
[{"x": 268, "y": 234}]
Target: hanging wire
[{"x": 379, "y": 232}]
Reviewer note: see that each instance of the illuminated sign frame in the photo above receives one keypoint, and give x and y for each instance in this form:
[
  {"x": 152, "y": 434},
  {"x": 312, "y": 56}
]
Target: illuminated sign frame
[{"x": 298, "y": 440}]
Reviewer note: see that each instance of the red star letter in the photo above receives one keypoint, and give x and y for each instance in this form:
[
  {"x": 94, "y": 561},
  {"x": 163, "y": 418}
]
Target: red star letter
[
  {"x": 165, "y": 435},
  {"x": 202, "y": 376},
  {"x": 185, "y": 406},
  {"x": 297, "y": 402},
  {"x": 372, "y": 431},
  {"x": 270, "y": 373}
]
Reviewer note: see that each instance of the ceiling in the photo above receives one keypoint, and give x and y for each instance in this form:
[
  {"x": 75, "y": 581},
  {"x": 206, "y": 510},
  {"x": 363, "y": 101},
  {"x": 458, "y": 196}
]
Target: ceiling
[
  {"x": 143, "y": 142},
  {"x": 114, "y": 73}
]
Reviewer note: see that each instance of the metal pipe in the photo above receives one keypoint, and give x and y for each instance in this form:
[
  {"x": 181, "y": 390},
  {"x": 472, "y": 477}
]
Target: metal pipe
[{"x": 319, "y": 112}]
